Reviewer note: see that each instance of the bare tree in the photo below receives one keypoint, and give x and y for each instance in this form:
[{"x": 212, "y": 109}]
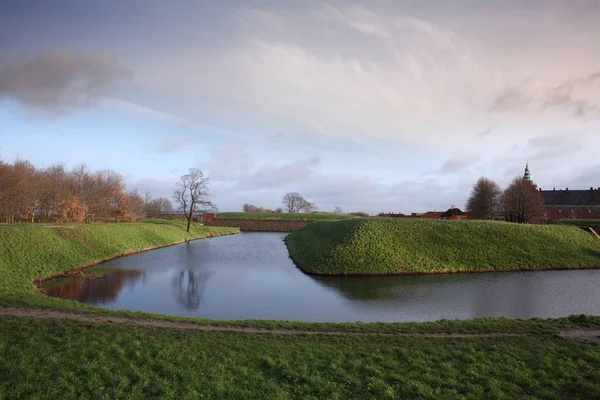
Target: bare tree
[
  {"x": 522, "y": 202},
  {"x": 485, "y": 201},
  {"x": 337, "y": 210},
  {"x": 309, "y": 207},
  {"x": 159, "y": 207},
  {"x": 293, "y": 202},
  {"x": 191, "y": 194},
  {"x": 249, "y": 208}
]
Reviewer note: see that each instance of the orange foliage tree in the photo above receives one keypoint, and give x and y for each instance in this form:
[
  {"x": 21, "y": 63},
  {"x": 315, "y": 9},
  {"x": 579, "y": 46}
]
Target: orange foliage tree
[{"x": 71, "y": 210}]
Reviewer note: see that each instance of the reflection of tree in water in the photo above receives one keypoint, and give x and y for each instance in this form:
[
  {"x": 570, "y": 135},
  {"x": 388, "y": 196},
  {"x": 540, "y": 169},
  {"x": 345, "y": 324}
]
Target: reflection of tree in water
[
  {"x": 189, "y": 286},
  {"x": 95, "y": 291}
]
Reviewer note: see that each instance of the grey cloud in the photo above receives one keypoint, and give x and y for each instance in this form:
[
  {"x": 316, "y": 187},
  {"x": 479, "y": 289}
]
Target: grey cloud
[
  {"x": 269, "y": 176},
  {"x": 56, "y": 81},
  {"x": 456, "y": 164},
  {"x": 509, "y": 99},
  {"x": 484, "y": 133},
  {"x": 554, "y": 147},
  {"x": 171, "y": 145},
  {"x": 590, "y": 177},
  {"x": 577, "y": 97}
]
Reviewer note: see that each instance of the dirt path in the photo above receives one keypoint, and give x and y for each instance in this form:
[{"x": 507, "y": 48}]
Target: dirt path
[
  {"x": 156, "y": 323},
  {"x": 573, "y": 334}
]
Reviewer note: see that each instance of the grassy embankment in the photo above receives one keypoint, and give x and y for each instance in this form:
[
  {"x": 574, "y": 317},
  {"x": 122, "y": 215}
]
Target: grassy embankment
[
  {"x": 29, "y": 252},
  {"x": 44, "y": 360},
  {"x": 262, "y": 216},
  {"x": 578, "y": 222},
  {"x": 401, "y": 246}
]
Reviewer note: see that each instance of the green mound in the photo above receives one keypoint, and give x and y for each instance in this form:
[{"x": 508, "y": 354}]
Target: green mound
[
  {"x": 404, "y": 246},
  {"x": 264, "y": 216}
]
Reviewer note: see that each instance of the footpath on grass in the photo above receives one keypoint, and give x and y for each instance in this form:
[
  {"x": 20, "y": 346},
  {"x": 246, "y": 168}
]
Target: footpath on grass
[{"x": 589, "y": 335}]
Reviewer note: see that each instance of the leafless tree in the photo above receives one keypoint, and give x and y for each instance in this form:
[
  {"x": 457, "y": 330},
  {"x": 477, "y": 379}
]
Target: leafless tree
[
  {"x": 485, "y": 201},
  {"x": 159, "y": 208},
  {"x": 309, "y": 207},
  {"x": 249, "y": 208},
  {"x": 293, "y": 202},
  {"x": 337, "y": 210},
  {"x": 522, "y": 202},
  {"x": 191, "y": 194}
]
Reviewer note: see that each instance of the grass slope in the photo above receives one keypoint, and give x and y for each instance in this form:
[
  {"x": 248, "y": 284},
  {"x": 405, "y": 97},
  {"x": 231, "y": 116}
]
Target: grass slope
[
  {"x": 69, "y": 360},
  {"x": 320, "y": 216},
  {"x": 396, "y": 246},
  {"x": 578, "y": 222},
  {"x": 28, "y": 252}
]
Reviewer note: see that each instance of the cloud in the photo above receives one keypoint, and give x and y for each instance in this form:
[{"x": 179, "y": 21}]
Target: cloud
[
  {"x": 457, "y": 164},
  {"x": 484, "y": 133},
  {"x": 172, "y": 144},
  {"x": 56, "y": 81},
  {"x": 272, "y": 175},
  {"x": 579, "y": 97}
]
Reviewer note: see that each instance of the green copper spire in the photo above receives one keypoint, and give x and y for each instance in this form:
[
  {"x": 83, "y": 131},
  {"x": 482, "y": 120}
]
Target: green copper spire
[{"x": 527, "y": 175}]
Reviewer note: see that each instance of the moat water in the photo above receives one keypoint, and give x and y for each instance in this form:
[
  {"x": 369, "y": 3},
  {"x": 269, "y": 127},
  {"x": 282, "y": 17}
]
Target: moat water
[{"x": 250, "y": 276}]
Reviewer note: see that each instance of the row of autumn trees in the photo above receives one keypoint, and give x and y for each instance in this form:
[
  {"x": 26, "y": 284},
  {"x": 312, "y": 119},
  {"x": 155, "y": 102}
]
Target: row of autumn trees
[
  {"x": 520, "y": 202},
  {"x": 30, "y": 194}
]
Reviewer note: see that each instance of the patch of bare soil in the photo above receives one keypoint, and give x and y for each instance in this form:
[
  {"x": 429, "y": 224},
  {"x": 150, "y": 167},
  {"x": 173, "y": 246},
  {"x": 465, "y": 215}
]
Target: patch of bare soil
[
  {"x": 155, "y": 323},
  {"x": 584, "y": 335}
]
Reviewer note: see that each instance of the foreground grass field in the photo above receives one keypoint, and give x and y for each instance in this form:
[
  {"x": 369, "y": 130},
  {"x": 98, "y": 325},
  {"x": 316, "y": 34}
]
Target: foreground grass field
[
  {"x": 319, "y": 216},
  {"x": 69, "y": 360},
  {"x": 28, "y": 251},
  {"x": 396, "y": 246}
]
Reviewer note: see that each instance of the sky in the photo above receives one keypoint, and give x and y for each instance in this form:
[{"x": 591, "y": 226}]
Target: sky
[{"x": 372, "y": 106}]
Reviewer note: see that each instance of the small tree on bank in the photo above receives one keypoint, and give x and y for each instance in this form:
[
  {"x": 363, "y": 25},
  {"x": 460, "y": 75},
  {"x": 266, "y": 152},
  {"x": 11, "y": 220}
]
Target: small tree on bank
[
  {"x": 485, "y": 201},
  {"x": 522, "y": 202},
  {"x": 191, "y": 194}
]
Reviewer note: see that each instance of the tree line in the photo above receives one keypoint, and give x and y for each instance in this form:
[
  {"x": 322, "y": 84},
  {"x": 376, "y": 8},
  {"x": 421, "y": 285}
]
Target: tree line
[
  {"x": 520, "y": 202},
  {"x": 292, "y": 202},
  {"x": 58, "y": 194}
]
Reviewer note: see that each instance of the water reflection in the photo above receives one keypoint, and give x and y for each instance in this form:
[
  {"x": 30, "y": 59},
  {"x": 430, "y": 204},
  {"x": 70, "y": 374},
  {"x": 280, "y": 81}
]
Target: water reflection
[
  {"x": 101, "y": 290},
  {"x": 250, "y": 276},
  {"x": 188, "y": 288}
]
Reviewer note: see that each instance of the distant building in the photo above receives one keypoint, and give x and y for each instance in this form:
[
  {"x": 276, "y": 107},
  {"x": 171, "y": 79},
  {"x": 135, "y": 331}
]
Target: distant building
[
  {"x": 426, "y": 215},
  {"x": 453, "y": 214},
  {"x": 569, "y": 204}
]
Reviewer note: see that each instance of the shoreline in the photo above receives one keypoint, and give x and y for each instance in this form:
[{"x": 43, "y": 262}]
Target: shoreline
[{"x": 73, "y": 272}]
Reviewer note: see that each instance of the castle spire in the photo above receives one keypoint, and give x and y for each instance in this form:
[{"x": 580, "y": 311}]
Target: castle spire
[{"x": 527, "y": 175}]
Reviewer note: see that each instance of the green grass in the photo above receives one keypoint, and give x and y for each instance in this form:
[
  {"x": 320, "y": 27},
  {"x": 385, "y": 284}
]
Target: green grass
[
  {"x": 578, "y": 222},
  {"x": 319, "y": 216},
  {"x": 71, "y": 360},
  {"x": 29, "y": 252},
  {"x": 396, "y": 246}
]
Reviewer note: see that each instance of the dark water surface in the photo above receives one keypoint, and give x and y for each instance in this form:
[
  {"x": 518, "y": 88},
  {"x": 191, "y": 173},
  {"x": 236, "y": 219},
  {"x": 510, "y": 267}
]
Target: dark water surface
[{"x": 250, "y": 276}]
